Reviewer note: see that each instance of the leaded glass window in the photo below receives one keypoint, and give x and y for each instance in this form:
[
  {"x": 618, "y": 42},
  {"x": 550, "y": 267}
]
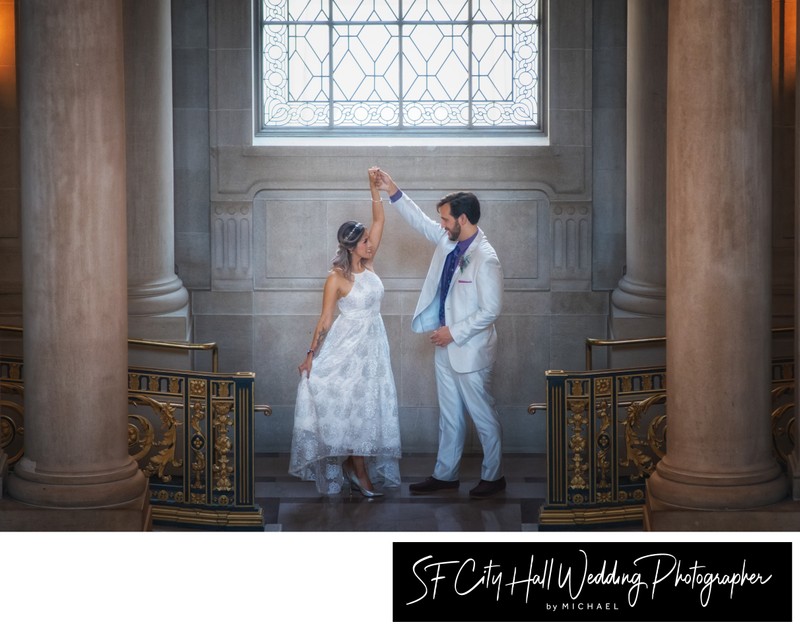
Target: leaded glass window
[{"x": 399, "y": 66}]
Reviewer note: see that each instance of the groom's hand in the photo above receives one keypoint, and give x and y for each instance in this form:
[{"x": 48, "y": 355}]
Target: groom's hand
[
  {"x": 441, "y": 336},
  {"x": 386, "y": 183}
]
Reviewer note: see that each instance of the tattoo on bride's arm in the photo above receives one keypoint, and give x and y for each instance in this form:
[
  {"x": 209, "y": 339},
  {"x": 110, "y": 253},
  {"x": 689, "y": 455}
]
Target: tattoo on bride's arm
[{"x": 321, "y": 337}]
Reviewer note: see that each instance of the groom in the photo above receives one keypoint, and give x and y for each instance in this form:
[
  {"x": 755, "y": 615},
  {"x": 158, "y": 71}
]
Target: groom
[{"x": 458, "y": 305}]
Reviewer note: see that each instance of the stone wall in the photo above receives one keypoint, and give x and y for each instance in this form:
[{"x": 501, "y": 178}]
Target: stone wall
[{"x": 257, "y": 270}]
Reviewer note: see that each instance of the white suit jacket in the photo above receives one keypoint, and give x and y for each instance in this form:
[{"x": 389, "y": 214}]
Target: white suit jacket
[{"x": 473, "y": 301}]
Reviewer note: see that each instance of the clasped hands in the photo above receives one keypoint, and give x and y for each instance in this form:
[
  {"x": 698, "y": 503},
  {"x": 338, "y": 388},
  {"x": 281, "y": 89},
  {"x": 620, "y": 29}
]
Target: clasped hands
[{"x": 382, "y": 180}]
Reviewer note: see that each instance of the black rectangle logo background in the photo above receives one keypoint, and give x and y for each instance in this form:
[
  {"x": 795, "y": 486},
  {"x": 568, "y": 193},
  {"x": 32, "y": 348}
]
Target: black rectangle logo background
[{"x": 606, "y": 581}]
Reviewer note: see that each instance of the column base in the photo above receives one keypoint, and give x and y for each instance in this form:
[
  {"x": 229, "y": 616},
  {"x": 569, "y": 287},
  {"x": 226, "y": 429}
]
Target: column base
[
  {"x": 16, "y": 516},
  {"x": 683, "y": 490},
  {"x": 117, "y": 489},
  {"x": 639, "y": 298},
  {"x": 157, "y": 298},
  {"x": 783, "y": 516}
]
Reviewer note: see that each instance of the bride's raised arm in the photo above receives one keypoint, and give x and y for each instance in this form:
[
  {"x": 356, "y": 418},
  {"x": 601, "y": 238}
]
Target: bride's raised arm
[{"x": 378, "y": 216}]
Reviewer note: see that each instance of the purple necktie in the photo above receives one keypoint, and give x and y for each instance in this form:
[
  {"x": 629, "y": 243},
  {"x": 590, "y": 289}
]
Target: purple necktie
[{"x": 447, "y": 275}]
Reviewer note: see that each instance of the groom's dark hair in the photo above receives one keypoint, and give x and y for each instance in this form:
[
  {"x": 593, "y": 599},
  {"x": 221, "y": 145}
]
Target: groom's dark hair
[{"x": 462, "y": 203}]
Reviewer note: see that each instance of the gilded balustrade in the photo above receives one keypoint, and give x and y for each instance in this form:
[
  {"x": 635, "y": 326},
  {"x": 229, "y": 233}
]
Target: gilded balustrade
[
  {"x": 12, "y": 427},
  {"x": 192, "y": 434},
  {"x": 606, "y": 431}
]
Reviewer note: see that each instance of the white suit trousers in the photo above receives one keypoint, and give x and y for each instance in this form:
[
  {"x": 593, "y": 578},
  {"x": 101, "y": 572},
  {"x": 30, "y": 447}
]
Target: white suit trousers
[{"x": 458, "y": 393}]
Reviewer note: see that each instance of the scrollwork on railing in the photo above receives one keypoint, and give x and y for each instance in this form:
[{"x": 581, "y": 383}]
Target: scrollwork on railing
[
  {"x": 193, "y": 480},
  {"x": 636, "y": 449},
  {"x": 157, "y": 464},
  {"x": 222, "y": 470},
  {"x": 782, "y": 421},
  {"x": 11, "y": 429},
  {"x": 577, "y": 443},
  {"x": 588, "y": 443},
  {"x": 12, "y": 410},
  {"x": 141, "y": 436},
  {"x": 606, "y": 433},
  {"x": 204, "y": 474},
  {"x": 198, "y": 444}
]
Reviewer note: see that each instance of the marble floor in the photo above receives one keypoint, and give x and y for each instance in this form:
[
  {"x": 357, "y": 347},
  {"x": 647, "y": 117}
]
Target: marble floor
[{"x": 293, "y": 505}]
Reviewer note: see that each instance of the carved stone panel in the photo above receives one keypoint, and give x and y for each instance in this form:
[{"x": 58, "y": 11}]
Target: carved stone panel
[
  {"x": 231, "y": 245},
  {"x": 571, "y": 231}
]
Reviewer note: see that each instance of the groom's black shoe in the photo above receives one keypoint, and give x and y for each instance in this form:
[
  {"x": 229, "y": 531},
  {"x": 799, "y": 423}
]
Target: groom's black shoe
[
  {"x": 432, "y": 484},
  {"x": 488, "y": 488}
]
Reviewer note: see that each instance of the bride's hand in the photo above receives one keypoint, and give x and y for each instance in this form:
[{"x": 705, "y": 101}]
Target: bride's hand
[
  {"x": 305, "y": 366},
  {"x": 374, "y": 177},
  {"x": 384, "y": 181}
]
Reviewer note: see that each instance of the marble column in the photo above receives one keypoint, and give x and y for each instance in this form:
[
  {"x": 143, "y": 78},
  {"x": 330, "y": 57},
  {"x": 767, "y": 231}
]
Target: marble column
[
  {"x": 639, "y": 301},
  {"x": 72, "y": 123},
  {"x": 157, "y": 299},
  {"x": 719, "y": 452}
]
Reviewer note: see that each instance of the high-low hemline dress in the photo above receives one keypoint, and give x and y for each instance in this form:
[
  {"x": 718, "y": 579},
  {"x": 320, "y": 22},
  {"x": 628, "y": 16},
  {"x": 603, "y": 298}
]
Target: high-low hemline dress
[{"x": 348, "y": 404}]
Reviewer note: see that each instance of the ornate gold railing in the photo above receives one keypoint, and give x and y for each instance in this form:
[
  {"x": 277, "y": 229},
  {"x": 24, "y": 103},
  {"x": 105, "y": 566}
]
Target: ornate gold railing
[
  {"x": 12, "y": 411},
  {"x": 606, "y": 431},
  {"x": 192, "y": 434}
]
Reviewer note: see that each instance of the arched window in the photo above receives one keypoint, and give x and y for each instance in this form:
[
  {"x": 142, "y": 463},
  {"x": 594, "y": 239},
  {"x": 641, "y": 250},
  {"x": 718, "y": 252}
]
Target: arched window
[{"x": 397, "y": 67}]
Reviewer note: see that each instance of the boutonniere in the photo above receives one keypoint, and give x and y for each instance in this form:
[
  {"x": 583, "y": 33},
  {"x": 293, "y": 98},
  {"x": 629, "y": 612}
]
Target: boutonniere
[{"x": 462, "y": 264}]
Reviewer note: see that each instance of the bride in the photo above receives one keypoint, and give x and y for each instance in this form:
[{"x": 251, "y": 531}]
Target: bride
[{"x": 346, "y": 427}]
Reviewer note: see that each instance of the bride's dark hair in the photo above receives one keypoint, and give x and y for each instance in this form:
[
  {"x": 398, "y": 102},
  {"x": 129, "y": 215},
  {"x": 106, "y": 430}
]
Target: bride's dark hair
[{"x": 348, "y": 236}]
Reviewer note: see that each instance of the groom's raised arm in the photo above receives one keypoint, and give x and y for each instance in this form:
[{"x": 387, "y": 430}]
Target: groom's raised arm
[{"x": 409, "y": 210}]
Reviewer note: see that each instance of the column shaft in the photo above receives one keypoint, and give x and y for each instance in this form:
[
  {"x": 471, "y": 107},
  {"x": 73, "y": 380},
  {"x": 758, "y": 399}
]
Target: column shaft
[
  {"x": 642, "y": 289},
  {"x": 719, "y": 453},
  {"x": 154, "y": 288},
  {"x": 74, "y": 242}
]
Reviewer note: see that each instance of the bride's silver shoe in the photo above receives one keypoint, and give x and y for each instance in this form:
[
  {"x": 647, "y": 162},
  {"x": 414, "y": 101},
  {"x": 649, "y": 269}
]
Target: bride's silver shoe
[{"x": 354, "y": 482}]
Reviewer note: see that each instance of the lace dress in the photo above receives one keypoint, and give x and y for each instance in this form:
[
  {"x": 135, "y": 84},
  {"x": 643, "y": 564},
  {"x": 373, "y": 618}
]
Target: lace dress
[{"x": 348, "y": 404}]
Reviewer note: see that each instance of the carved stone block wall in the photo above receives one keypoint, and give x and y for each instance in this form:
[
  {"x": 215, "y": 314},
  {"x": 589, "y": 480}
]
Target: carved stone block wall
[{"x": 538, "y": 203}]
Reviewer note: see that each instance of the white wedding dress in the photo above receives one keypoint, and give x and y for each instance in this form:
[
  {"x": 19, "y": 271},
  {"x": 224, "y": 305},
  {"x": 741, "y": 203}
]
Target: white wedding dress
[{"x": 348, "y": 404}]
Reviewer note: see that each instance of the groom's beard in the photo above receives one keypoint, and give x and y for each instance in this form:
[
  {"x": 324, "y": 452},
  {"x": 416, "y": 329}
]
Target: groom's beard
[{"x": 455, "y": 232}]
